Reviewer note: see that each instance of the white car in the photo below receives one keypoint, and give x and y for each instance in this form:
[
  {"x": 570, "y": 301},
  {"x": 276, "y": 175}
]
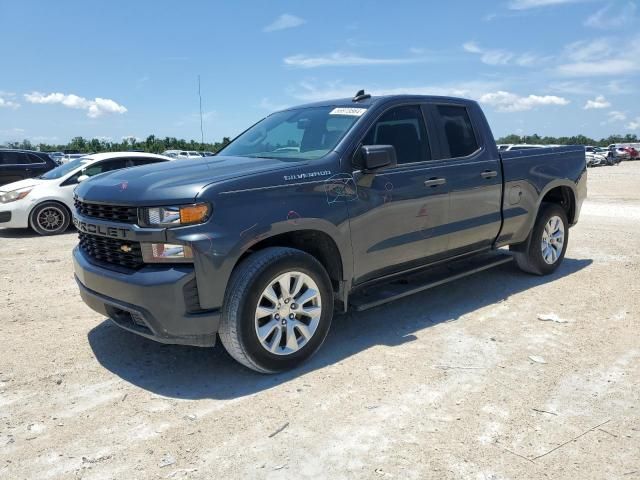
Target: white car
[
  {"x": 522, "y": 146},
  {"x": 45, "y": 203},
  {"x": 71, "y": 156},
  {"x": 182, "y": 154}
]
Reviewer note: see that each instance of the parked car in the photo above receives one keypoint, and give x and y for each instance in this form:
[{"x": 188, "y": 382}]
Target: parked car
[
  {"x": 207, "y": 154},
  {"x": 633, "y": 153},
  {"x": 593, "y": 158},
  {"x": 621, "y": 153},
  {"x": 182, "y": 154},
  {"x": 56, "y": 156},
  {"x": 20, "y": 164},
  {"x": 72, "y": 156},
  {"x": 45, "y": 203},
  {"x": 258, "y": 244},
  {"x": 523, "y": 146}
]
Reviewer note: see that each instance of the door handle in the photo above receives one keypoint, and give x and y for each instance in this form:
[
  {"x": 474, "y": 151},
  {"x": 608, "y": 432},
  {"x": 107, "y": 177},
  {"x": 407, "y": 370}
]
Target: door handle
[
  {"x": 489, "y": 174},
  {"x": 434, "y": 182}
]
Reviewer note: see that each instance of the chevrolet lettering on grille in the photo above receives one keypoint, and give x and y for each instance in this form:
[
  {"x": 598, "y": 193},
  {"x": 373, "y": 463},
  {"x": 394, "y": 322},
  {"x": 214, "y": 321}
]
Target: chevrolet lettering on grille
[{"x": 105, "y": 231}]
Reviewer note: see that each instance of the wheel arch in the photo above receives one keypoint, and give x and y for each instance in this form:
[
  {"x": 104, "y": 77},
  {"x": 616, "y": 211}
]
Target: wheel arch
[
  {"x": 317, "y": 243},
  {"x": 562, "y": 194}
]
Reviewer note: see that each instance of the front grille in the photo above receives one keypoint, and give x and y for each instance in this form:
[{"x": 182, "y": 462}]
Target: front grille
[
  {"x": 116, "y": 213},
  {"x": 110, "y": 250}
]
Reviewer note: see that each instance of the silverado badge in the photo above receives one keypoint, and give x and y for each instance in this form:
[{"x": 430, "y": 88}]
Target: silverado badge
[{"x": 126, "y": 248}]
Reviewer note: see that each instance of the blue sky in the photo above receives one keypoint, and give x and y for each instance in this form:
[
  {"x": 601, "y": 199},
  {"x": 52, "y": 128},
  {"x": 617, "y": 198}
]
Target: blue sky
[{"x": 122, "y": 68}]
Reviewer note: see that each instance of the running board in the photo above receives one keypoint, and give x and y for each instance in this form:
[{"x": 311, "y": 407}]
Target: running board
[{"x": 378, "y": 294}]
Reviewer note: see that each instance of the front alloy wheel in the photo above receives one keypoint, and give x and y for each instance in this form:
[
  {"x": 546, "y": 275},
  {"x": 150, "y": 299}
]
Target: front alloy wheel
[
  {"x": 50, "y": 218},
  {"x": 288, "y": 313},
  {"x": 277, "y": 309}
]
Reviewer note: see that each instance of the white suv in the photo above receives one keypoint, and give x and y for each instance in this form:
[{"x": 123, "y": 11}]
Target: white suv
[{"x": 182, "y": 154}]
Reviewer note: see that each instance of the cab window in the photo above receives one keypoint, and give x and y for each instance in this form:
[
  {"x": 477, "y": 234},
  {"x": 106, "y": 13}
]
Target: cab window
[
  {"x": 457, "y": 130},
  {"x": 403, "y": 128}
]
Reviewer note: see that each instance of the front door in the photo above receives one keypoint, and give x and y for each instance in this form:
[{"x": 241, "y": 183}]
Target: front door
[{"x": 397, "y": 214}]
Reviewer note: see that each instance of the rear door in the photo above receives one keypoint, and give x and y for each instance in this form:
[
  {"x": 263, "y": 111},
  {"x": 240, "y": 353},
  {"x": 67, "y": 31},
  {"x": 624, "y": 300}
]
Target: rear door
[
  {"x": 474, "y": 176},
  {"x": 397, "y": 214},
  {"x": 14, "y": 166}
]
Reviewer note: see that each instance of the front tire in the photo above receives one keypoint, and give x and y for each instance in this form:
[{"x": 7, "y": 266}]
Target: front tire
[
  {"x": 277, "y": 310},
  {"x": 544, "y": 250},
  {"x": 50, "y": 218}
]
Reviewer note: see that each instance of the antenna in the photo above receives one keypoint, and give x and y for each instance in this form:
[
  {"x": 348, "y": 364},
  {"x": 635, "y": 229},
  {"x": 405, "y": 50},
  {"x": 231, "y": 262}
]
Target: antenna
[
  {"x": 201, "y": 129},
  {"x": 360, "y": 96}
]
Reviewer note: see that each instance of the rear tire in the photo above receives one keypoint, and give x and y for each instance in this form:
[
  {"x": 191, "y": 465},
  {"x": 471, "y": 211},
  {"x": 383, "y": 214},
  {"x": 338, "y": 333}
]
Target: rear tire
[
  {"x": 544, "y": 250},
  {"x": 50, "y": 218},
  {"x": 277, "y": 310}
]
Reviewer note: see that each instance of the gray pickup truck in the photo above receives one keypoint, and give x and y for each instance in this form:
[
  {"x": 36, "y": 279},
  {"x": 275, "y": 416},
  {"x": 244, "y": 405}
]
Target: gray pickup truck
[{"x": 317, "y": 208}]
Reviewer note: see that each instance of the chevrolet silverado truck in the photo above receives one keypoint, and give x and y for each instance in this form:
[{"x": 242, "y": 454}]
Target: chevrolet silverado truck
[{"x": 329, "y": 206}]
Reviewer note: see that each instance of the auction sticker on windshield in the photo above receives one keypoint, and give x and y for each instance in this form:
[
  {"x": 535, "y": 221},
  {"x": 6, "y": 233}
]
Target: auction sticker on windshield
[{"x": 354, "y": 112}]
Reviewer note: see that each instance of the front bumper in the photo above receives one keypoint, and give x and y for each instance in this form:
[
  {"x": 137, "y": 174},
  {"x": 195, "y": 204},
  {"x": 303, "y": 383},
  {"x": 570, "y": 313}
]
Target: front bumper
[
  {"x": 14, "y": 214},
  {"x": 155, "y": 302}
]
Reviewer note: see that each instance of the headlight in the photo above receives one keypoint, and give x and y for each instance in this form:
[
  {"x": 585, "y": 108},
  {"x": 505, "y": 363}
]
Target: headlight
[
  {"x": 14, "y": 195},
  {"x": 176, "y": 216},
  {"x": 166, "y": 253}
]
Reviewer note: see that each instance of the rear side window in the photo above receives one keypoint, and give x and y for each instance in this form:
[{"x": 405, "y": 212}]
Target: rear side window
[
  {"x": 14, "y": 158},
  {"x": 36, "y": 159},
  {"x": 404, "y": 128},
  {"x": 458, "y": 131}
]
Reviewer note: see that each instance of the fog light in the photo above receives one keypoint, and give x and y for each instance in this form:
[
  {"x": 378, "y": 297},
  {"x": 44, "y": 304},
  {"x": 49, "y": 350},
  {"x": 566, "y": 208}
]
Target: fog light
[{"x": 166, "y": 253}]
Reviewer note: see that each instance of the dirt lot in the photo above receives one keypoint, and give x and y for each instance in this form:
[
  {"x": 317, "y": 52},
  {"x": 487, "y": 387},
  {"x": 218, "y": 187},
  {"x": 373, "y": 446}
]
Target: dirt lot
[{"x": 463, "y": 381}]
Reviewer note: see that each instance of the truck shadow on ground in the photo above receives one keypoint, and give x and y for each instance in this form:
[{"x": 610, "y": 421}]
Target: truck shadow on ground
[{"x": 195, "y": 373}]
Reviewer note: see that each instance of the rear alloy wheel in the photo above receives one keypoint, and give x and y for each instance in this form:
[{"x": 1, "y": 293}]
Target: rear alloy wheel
[
  {"x": 50, "y": 218},
  {"x": 277, "y": 310},
  {"x": 552, "y": 243},
  {"x": 544, "y": 250}
]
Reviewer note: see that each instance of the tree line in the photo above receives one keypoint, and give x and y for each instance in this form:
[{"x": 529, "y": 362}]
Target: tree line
[
  {"x": 151, "y": 144},
  {"x": 155, "y": 144},
  {"x": 575, "y": 140}
]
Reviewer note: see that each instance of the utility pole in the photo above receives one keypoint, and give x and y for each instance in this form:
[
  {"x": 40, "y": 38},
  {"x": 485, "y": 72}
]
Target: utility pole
[{"x": 201, "y": 129}]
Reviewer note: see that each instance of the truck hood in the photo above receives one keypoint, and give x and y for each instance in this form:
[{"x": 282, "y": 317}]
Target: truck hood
[{"x": 178, "y": 181}]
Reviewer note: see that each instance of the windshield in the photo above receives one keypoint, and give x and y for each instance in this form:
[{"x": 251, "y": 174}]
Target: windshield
[
  {"x": 303, "y": 134},
  {"x": 62, "y": 170}
]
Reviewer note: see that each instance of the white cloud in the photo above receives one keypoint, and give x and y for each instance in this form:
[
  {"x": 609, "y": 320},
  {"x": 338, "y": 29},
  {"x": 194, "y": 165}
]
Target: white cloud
[
  {"x": 501, "y": 57},
  {"x": 340, "y": 59},
  {"x": 95, "y": 108},
  {"x": 283, "y": 22},
  {"x": 527, "y": 4},
  {"x": 589, "y": 50},
  {"x": 6, "y": 103},
  {"x": 601, "y": 57},
  {"x": 614, "y": 116},
  {"x": 617, "y": 66},
  {"x": 511, "y": 102},
  {"x": 634, "y": 124},
  {"x": 598, "y": 102},
  {"x": 607, "y": 17}
]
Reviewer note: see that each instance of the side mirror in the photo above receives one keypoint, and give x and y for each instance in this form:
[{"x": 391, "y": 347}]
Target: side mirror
[
  {"x": 378, "y": 156},
  {"x": 82, "y": 178}
]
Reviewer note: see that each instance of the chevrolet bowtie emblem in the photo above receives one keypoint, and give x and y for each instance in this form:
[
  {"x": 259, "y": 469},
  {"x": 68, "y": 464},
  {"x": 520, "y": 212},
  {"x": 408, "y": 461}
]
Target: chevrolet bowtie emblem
[{"x": 126, "y": 248}]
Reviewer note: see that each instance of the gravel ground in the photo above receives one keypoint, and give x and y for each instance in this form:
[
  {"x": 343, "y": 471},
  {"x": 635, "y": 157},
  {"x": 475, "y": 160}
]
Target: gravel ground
[{"x": 463, "y": 381}]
